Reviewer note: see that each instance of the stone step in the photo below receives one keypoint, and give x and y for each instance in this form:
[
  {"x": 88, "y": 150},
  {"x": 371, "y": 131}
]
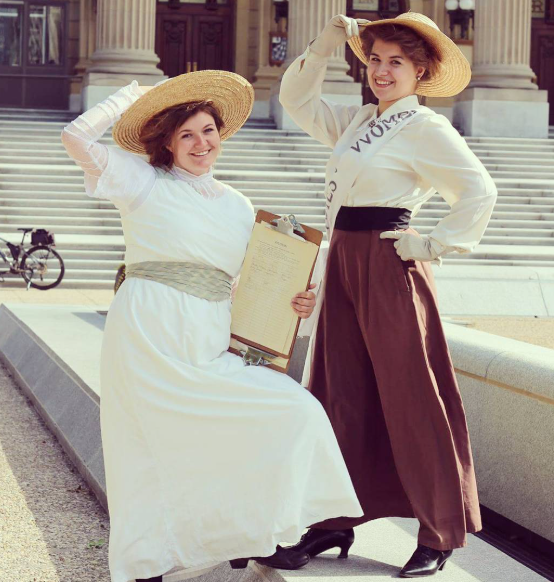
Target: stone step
[
  {"x": 22, "y": 199},
  {"x": 507, "y": 140},
  {"x": 72, "y": 173},
  {"x": 87, "y": 254},
  {"x": 258, "y": 163},
  {"x": 51, "y": 193},
  {"x": 26, "y": 202},
  {"x": 500, "y": 236},
  {"x": 511, "y": 220},
  {"x": 54, "y": 226}
]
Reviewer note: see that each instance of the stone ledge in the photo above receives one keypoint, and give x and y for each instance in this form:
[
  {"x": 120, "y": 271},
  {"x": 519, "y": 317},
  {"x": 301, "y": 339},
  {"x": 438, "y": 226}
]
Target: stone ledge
[
  {"x": 64, "y": 390},
  {"x": 499, "y": 94},
  {"x": 508, "y": 392},
  {"x": 66, "y": 403}
]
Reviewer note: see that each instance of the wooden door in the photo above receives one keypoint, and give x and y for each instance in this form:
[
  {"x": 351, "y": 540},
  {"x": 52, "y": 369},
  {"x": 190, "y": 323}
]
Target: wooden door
[
  {"x": 33, "y": 54},
  {"x": 195, "y": 36},
  {"x": 542, "y": 53},
  {"x": 174, "y": 43},
  {"x": 211, "y": 42}
]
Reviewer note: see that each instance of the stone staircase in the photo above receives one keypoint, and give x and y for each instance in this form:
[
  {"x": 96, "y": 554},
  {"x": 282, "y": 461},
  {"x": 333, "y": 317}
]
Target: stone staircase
[{"x": 280, "y": 171}]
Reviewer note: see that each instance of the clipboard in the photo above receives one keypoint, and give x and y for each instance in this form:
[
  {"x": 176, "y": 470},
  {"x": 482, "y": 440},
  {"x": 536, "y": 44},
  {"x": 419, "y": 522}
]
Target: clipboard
[{"x": 256, "y": 352}]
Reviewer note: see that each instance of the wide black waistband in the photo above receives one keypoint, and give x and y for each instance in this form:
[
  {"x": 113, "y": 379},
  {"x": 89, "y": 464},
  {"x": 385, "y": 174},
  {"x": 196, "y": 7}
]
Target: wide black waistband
[{"x": 372, "y": 218}]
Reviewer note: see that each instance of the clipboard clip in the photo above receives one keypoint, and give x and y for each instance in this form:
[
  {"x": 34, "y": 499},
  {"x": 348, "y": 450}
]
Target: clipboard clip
[
  {"x": 288, "y": 225},
  {"x": 255, "y": 357}
]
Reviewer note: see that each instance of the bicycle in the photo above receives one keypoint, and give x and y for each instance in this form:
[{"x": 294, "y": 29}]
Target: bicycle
[{"x": 40, "y": 265}]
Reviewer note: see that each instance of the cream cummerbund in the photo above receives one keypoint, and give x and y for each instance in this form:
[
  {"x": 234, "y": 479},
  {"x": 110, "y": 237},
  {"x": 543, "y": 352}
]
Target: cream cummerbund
[{"x": 201, "y": 281}]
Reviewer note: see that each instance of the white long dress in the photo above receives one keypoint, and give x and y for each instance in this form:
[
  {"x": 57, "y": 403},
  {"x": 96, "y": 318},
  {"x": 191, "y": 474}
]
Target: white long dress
[{"x": 206, "y": 460}]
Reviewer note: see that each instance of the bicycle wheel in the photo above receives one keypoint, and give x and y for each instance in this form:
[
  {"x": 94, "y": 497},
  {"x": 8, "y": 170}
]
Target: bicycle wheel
[{"x": 42, "y": 267}]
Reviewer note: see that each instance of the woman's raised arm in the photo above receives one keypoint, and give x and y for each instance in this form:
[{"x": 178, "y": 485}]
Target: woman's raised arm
[
  {"x": 80, "y": 139},
  {"x": 301, "y": 85}
]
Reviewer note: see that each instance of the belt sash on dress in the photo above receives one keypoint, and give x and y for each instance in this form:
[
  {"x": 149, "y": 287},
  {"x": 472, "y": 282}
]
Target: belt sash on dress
[{"x": 195, "y": 279}]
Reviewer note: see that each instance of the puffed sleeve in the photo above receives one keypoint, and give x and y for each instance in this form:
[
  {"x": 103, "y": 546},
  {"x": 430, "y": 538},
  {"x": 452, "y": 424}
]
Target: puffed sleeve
[
  {"x": 110, "y": 173},
  {"x": 444, "y": 161},
  {"x": 300, "y": 96}
]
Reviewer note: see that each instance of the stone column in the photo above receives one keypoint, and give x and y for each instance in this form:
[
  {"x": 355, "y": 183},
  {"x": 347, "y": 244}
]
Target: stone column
[
  {"x": 125, "y": 31},
  {"x": 307, "y": 18},
  {"x": 502, "y": 99},
  {"x": 503, "y": 45},
  {"x": 266, "y": 75},
  {"x": 86, "y": 36}
]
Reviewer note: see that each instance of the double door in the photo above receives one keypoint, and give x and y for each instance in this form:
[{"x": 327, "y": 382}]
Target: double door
[
  {"x": 194, "y": 38},
  {"x": 542, "y": 52},
  {"x": 33, "y": 54},
  {"x": 370, "y": 10}
]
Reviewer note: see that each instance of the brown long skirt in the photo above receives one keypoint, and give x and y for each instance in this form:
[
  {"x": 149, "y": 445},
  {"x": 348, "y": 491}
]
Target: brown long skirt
[{"x": 382, "y": 370}]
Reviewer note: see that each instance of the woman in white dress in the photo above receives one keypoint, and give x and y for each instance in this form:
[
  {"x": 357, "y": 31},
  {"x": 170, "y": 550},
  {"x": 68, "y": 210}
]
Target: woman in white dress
[{"x": 207, "y": 460}]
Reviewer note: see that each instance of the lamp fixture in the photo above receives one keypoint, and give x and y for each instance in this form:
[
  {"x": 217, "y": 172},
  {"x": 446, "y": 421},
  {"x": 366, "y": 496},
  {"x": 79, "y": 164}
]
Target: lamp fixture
[{"x": 460, "y": 12}]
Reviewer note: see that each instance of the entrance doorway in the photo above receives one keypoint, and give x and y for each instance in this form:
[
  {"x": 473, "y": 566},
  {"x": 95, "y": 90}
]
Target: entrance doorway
[
  {"x": 370, "y": 10},
  {"x": 33, "y": 54},
  {"x": 195, "y": 35},
  {"x": 542, "y": 49}
]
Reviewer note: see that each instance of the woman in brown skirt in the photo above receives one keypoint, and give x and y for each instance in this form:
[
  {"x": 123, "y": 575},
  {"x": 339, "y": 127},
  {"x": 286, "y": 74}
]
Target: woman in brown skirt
[{"x": 381, "y": 366}]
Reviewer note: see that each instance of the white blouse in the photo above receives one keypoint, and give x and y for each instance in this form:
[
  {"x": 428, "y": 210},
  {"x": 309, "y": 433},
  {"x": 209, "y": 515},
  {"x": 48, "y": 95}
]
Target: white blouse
[
  {"x": 425, "y": 156},
  {"x": 112, "y": 173}
]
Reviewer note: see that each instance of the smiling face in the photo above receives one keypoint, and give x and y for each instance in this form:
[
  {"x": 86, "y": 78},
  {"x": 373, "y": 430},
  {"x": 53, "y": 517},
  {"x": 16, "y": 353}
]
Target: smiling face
[
  {"x": 391, "y": 74},
  {"x": 196, "y": 144}
]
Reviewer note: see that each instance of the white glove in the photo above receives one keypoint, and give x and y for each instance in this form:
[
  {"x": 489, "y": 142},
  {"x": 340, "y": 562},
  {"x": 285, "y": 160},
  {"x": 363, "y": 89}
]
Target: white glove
[
  {"x": 413, "y": 247},
  {"x": 143, "y": 89},
  {"x": 115, "y": 105},
  {"x": 336, "y": 32}
]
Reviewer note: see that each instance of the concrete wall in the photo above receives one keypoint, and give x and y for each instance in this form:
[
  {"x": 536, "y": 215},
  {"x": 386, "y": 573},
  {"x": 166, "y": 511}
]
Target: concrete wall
[{"x": 508, "y": 391}]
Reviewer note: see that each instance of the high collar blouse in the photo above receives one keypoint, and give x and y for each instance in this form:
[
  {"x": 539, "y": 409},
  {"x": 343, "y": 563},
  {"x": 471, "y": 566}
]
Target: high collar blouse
[{"x": 427, "y": 155}]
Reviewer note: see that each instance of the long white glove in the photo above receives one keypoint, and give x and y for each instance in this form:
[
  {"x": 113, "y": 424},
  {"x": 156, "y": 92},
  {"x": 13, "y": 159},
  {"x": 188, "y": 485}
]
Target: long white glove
[
  {"x": 413, "y": 247},
  {"x": 336, "y": 32}
]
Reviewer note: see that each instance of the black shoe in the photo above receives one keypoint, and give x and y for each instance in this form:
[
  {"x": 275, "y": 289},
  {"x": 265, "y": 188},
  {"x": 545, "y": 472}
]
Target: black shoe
[
  {"x": 239, "y": 563},
  {"x": 155, "y": 579},
  {"x": 285, "y": 559},
  {"x": 425, "y": 562},
  {"x": 316, "y": 541}
]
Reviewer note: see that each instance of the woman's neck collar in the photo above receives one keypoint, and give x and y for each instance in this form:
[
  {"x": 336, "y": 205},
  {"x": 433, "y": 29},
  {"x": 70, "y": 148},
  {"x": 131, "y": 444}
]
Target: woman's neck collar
[
  {"x": 181, "y": 172},
  {"x": 385, "y": 106}
]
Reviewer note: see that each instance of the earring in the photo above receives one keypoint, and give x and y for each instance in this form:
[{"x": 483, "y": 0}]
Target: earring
[{"x": 418, "y": 78}]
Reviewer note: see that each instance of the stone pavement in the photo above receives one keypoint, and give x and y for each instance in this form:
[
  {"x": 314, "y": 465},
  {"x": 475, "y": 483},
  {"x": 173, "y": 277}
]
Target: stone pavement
[{"x": 52, "y": 529}]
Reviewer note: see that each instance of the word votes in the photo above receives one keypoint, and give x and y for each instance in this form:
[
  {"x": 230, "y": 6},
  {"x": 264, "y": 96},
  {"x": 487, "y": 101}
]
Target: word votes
[{"x": 379, "y": 127}]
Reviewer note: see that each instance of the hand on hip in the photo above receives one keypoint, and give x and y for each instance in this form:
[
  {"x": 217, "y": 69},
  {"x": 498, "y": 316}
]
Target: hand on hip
[{"x": 412, "y": 247}]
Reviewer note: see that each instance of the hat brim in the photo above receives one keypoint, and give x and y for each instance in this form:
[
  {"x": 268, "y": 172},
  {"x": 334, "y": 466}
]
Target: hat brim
[
  {"x": 454, "y": 70},
  {"x": 232, "y": 95}
]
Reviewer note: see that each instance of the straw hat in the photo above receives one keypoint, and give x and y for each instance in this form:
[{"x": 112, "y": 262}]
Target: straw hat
[
  {"x": 454, "y": 71},
  {"x": 232, "y": 95}
]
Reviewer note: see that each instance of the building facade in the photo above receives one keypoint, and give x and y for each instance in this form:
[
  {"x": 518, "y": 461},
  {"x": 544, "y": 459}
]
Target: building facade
[{"x": 69, "y": 54}]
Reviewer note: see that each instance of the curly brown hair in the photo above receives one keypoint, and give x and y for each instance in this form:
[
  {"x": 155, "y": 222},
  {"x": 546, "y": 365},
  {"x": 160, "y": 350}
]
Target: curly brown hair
[
  {"x": 416, "y": 48},
  {"x": 158, "y": 131}
]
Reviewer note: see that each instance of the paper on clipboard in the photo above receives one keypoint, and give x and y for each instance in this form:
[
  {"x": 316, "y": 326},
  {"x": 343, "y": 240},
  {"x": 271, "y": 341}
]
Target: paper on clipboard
[{"x": 276, "y": 267}]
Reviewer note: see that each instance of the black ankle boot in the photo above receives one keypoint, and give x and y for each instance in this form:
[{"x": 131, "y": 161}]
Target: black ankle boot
[
  {"x": 316, "y": 541},
  {"x": 285, "y": 559},
  {"x": 155, "y": 579},
  {"x": 425, "y": 562}
]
